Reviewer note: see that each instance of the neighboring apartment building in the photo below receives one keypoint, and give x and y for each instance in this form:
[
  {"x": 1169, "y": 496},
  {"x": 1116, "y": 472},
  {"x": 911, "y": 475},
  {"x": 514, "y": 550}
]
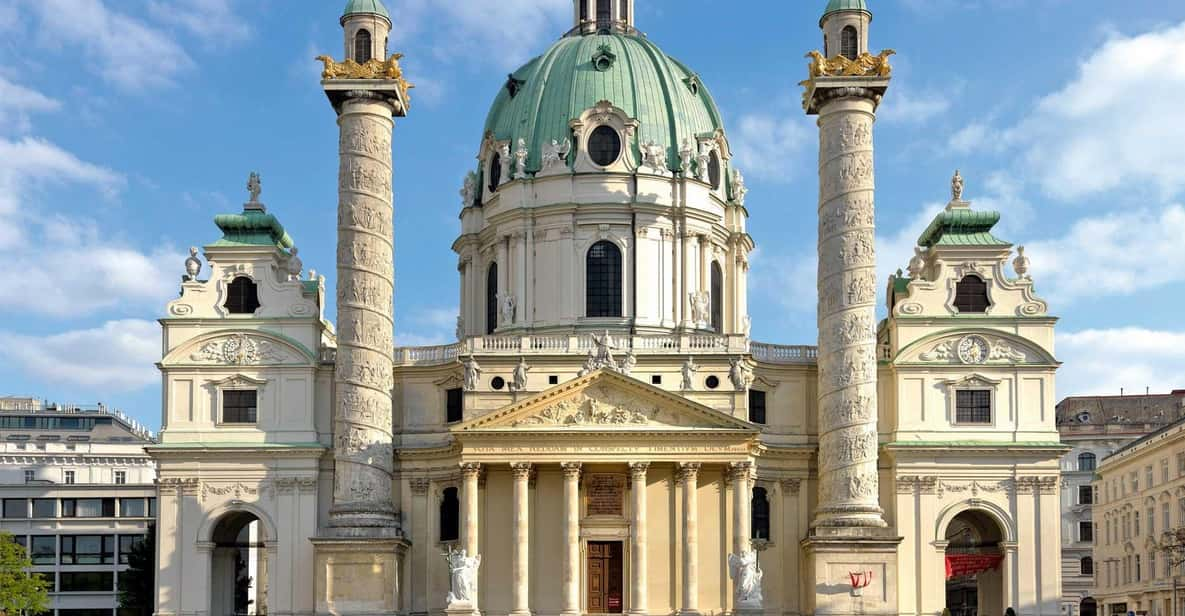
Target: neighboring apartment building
[
  {"x": 1139, "y": 492},
  {"x": 78, "y": 491},
  {"x": 1095, "y": 427}
]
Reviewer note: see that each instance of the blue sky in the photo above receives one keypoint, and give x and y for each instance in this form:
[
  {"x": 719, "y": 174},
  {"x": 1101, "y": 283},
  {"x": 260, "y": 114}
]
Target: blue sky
[{"x": 125, "y": 126}]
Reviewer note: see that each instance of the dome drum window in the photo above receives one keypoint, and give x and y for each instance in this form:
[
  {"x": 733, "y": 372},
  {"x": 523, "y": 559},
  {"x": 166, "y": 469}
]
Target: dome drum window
[
  {"x": 604, "y": 146},
  {"x": 604, "y": 136},
  {"x": 604, "y": 58}
]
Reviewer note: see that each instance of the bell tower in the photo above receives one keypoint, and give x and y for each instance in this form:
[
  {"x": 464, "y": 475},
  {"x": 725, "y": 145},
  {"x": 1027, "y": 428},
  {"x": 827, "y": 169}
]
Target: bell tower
[
  {"x": 366, "y": 26},
  {"x": 845, "y": 28}
]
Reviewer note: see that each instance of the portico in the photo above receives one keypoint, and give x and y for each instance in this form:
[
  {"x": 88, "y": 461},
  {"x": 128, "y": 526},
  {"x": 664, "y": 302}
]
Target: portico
[{"x": 615, "y": 444}]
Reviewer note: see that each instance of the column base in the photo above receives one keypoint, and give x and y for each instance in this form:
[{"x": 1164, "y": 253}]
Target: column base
[
  {"x": 358, "y": 577},
  {"x": 520, "y": 612},
  {"x": 850, "y": 572},
  {"x": 687, "y": 612},
  {"x": 462, "y": 609}
]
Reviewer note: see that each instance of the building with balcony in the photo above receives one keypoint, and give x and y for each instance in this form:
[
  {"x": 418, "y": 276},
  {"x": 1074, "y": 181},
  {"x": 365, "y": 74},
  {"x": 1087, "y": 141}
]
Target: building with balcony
[{"x": 77, "y": 490}]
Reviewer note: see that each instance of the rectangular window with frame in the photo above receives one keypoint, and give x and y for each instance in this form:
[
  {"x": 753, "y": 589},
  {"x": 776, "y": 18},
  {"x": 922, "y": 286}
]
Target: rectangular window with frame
[
  {"x": 126, "y": 544},
  {"x": 1181, "y": 465},
  {"x": 239, "y": 406},
  {"x": 16, "y": 508},
  {"x": 88, "y": 507},
  {"x": 30, "y": 476},
  {"x": 68, "y": 477},
  {"x": 88, "y": 549},
  {"x": 45, "y": 508},
  {"x": 757, "y": 407},
  {"x": 1148, "y": 476},
  {"x": 1085, "y": 532},
  {"x": 86, "y": 581},
  {"x": 43, "y": 549},
  {"x": 121, "y": 478},
  {"x": 132, "y": 508},
  {"x": 973, "y": 406},
  {"x": 454, "y": 410},
  {"x": 1085, "y": 495}
]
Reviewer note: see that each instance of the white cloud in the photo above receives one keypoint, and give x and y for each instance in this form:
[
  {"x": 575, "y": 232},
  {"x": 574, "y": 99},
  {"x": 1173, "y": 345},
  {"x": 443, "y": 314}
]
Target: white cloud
[
  {"x": 64, "y": 266},
  {"x": 212, "y": 21},
  {"x": 975, "y": 137},
  {"x": 1113, "y": 126},
  {"x": 463, "y": 30},
  {"x": 123, "y": 50},
  {"x": 769, "y": 146},
  {"x": 1138, "y": 250},
  {"x": 17, "y": 102},
  {"x": 1101, "y": 361},
  {"x": 430, "y": 326},
  {"x": 118, "y": 355},
  {"x": 789, "y": 280}
]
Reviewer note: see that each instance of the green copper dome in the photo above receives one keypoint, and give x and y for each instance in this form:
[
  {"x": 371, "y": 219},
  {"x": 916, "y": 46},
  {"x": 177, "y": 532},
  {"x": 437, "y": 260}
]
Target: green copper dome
[
  {"x": 835, "y": 6},
  {"x": 668, "y": 99},
  {"x": 366, "y": 7}
]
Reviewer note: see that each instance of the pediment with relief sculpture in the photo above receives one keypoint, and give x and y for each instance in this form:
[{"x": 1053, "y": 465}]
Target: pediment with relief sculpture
[{"x": 605, "y": 401}]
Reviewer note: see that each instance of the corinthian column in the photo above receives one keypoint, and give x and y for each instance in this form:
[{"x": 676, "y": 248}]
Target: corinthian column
[
  {"x": 363, "y": 460},
  {"x": 638, "y": 569},
  {"x": 519, "y": 563},
  {"x": 689, "y": 479},
  {"x": 571, "y": 565},
  {"x": 848, "y": 495},
  {"x": 739, "y": 474}
]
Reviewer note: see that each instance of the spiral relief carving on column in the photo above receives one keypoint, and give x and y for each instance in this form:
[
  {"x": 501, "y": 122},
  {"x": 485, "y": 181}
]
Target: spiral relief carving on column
[
  {"x": 365, "y": 313},
  {"x": 847, "y": 321}
]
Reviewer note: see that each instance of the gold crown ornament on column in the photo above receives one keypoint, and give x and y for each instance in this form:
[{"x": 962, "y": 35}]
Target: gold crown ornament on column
[{"x": 373, "y": 68}]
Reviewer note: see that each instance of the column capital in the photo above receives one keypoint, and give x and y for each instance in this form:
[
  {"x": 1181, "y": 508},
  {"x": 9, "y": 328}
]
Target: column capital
[
  {"x": 688, "y": 471},
  {"x": 521, "y": 470},
  {"x": 740, "y": 470},
  {"x": 419, "y": 485},
  {"x": 791, "y": 486},
  {"x": 470, "y": 469},
  {"x": 571, "y": 469},
  {"x": 638, "y": 469}
]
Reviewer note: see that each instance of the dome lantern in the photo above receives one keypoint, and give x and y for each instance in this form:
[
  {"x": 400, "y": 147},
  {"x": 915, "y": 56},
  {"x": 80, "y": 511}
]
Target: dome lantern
[
  {"x": 845, "y": 28},
  {"x": 602, "y": 16},
  {"x": 366, "y": 25}
]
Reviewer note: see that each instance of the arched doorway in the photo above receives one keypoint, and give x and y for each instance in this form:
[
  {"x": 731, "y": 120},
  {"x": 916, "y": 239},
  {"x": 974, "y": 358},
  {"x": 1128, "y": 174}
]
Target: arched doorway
[
  {"x": 974, "y": 565},
  {"x": 238, "y": 568},
  {"x": 1088, "y": 607}
]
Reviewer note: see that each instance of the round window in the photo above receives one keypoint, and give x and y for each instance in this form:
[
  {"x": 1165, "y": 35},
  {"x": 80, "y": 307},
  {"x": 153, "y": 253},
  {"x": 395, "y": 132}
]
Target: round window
[
  {"x": 714, "y": 170},
  {"x": 604, "y": 146},
  {"x": 712, "y": 382},
  {"x": 497, "y": 383},
  {"x": 495, "y": 172}
]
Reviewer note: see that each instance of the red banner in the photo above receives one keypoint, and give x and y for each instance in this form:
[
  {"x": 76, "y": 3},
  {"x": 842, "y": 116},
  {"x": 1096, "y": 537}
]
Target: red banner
[{"x": 961, "y": 565}]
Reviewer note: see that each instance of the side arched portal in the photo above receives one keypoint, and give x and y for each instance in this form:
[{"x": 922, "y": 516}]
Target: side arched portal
[
  {"x": 974, "y": 564},
  {"x": 238, "y": 567}
]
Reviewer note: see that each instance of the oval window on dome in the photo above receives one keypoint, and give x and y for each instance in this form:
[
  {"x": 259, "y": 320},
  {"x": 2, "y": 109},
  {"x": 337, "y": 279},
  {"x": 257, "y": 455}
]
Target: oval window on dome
[
  {"x": 714, "y": 170},
  {"x": 604, "y": 146}
]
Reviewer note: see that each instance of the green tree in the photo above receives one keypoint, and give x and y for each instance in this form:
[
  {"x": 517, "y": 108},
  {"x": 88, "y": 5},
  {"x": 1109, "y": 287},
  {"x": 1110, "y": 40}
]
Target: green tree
[
  {"x": 20, "y": 592},
  {"x": 137, "y": 585}
]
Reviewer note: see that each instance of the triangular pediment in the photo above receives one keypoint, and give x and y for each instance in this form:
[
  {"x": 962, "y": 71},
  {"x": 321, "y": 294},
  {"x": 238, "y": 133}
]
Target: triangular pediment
[{"x": 605, "y": 401}]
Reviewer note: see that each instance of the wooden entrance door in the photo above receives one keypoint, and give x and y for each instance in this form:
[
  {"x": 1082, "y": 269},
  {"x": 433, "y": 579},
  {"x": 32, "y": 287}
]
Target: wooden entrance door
[{"x": 605, "y": 577}]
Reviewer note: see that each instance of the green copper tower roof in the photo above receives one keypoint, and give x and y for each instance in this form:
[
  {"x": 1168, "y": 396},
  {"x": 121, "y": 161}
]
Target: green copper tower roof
[
  {"x": 366, "y": 7},
  {"x": 251, "y": 228},
  {"x": 835, "y": 6},
  {"x": 962, "y": 227},
  {"x": 541, "y": 98}
]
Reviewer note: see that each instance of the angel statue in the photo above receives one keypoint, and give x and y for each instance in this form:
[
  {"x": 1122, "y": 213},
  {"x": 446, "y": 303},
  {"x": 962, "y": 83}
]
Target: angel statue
[
  {"x": 746, "y": 578},
  {"x": 462, "y": 576},
  {"x": 688, "y": 371},
  {"x": 956, "y": 187},
  {"x": 519, "y": 382},
  {"x": 685, "y": 155},
  {"x": 555, "y": 154},
  {"x": 472, "y": 373},
  {"x": 520, "y": 160}
]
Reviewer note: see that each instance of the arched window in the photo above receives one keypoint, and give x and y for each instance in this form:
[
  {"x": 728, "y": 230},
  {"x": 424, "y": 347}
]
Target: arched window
[
  {"x": 603, "y": 280},
  {"x": 1087, "y": 461},
  {"x": 450, "y": 515},
  {"x": 714, "y": 170},
  {"x": 242, "y": 297},
  {"x": 492, "y": 298},
  {"x": 495, "y": 172},
  {"x": 625, "y": 10},
  {"x": 583, "y": 11},
  {"x": 363, "y": 48},
  {"x": 717, "y": 298},
  {"x": 759, "y": 514},
  {"x": 604, "y": 146},
  {"x": 971, "y": 295},
  {"x": 849, "y": 43},
  {"x": 604, "y": 15},
  {"x": 1086, "y": 566}
]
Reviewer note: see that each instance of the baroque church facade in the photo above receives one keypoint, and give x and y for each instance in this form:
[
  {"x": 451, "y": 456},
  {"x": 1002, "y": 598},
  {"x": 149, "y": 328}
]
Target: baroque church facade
[{"x": 605, "y": 437}]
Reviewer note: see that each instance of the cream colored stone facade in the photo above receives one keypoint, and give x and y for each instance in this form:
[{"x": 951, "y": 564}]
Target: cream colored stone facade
[
  {"x": 1139, "y": 494},
  {"x": 610, "y": 464}
]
